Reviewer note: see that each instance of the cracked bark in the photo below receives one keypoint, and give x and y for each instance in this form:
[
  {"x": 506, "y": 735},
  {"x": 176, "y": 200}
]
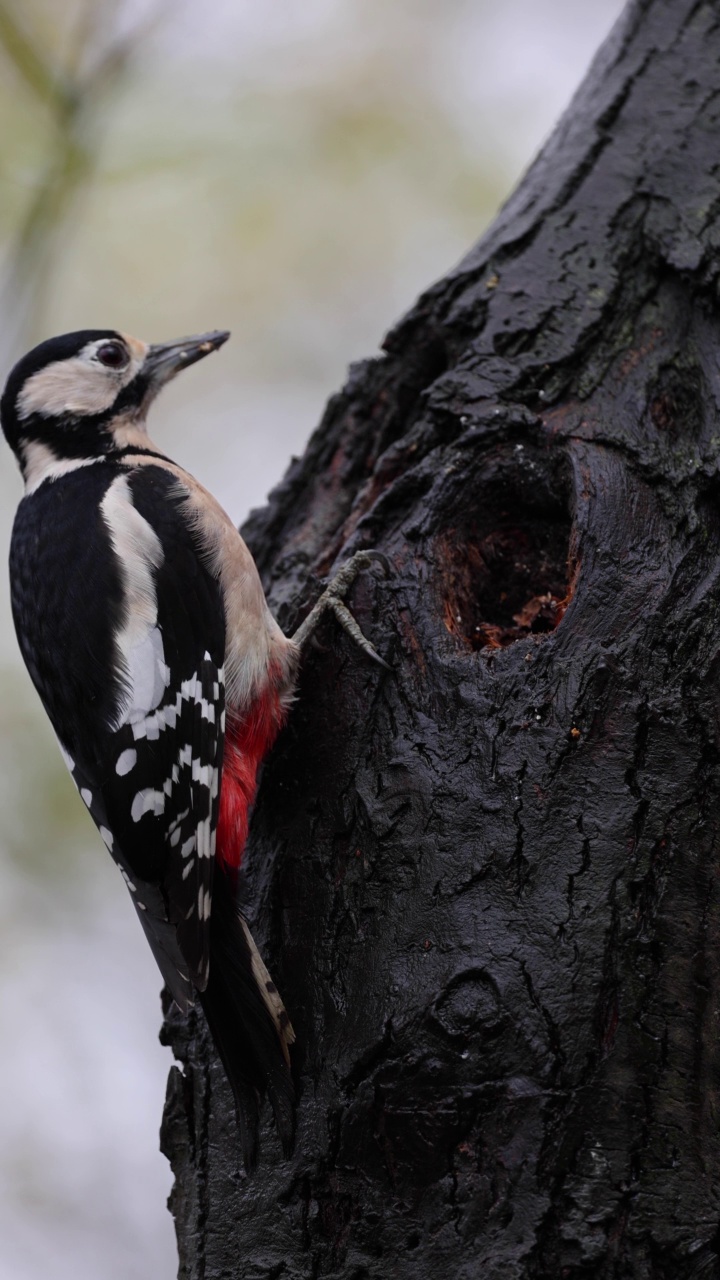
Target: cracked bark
[{"x": 487, "y": 883}]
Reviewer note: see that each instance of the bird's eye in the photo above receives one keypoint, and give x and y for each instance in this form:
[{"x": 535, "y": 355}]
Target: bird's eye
[{"x": 112, "y": 355}]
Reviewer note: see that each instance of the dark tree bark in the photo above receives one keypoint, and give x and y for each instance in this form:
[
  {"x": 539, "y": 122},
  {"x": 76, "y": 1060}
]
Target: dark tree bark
[{"x": 487, "y": 884}]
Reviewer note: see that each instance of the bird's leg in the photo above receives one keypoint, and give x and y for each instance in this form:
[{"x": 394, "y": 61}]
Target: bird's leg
[{"x": 332, "y": 601}]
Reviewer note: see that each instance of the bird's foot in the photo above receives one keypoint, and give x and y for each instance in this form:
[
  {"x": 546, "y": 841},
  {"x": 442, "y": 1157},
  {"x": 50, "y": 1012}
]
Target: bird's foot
[{"x": 332, "y": 600}]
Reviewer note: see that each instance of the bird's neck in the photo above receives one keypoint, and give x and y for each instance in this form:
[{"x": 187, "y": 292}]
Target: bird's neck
[{"x": 47, "y": 453}]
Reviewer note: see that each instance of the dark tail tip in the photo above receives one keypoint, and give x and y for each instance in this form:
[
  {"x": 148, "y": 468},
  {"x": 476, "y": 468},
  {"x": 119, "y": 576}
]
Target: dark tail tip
[{"x": 249, "y": 1025}]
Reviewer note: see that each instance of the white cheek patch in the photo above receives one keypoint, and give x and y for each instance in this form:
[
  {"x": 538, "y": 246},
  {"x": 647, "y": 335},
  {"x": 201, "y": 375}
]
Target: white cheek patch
[
  {"x": 79, "y": 386},
  {"x": 68, "y": 386}
]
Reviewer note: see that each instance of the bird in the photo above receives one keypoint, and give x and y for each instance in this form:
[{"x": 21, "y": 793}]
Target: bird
[{"x": 142, "y": 621}]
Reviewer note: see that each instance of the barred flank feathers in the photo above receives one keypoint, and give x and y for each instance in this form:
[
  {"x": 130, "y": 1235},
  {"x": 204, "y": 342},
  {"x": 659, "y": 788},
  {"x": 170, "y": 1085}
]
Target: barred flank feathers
[{"x": 248, "y": 1023}]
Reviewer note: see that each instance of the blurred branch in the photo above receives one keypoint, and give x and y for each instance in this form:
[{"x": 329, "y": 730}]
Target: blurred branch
[
  {"x": 28, "y": 61},
  {"x": 74, "y": 101}
]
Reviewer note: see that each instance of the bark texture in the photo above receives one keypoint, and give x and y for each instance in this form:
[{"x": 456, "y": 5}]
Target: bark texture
[{"x": 487, "y": 884}]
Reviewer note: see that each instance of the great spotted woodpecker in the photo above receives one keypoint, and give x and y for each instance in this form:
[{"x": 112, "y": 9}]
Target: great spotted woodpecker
[{"x": 144, "y": 627}]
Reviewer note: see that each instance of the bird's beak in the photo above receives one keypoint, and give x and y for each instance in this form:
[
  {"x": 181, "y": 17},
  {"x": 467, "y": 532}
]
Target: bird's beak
[{"x": 165, "y": 359}]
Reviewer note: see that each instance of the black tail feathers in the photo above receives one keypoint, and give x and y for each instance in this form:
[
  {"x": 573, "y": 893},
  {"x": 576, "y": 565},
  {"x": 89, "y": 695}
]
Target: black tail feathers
[{"x": 248, "y": 1023}]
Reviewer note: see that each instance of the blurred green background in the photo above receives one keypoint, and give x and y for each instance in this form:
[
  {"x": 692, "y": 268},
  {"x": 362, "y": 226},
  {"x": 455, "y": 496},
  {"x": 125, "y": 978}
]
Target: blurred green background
[{"x": 293, "y": 171}]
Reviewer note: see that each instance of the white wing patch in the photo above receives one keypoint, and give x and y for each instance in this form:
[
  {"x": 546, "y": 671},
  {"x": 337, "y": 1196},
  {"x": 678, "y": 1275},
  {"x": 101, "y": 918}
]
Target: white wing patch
[
  {"x": 165, "y": 717},
  {"x": 139, "y": 640},
  {"x": 147, "y": 801},
  {"x": 146, "y": 662},
  {"x": 126, "y": 761}
]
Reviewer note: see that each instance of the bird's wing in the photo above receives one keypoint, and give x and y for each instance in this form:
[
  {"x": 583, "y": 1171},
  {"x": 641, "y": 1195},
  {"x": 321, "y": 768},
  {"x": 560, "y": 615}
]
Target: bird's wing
[{"x": 147, "y": 760}]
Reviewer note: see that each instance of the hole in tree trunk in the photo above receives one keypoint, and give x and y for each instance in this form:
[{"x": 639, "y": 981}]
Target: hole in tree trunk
[{"x": 504, "y": 560}]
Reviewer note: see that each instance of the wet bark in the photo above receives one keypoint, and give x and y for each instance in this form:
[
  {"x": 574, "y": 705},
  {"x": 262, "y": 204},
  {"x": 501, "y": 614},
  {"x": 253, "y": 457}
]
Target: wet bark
[{"x": 487, "y": 883}]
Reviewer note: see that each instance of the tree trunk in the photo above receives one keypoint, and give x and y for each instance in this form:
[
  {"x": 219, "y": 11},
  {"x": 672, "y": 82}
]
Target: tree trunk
[{"x": 487, "y": 883}]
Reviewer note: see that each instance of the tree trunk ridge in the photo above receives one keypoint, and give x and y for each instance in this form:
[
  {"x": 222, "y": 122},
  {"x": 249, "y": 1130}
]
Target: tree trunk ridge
[{"x": 486, "y": 884}]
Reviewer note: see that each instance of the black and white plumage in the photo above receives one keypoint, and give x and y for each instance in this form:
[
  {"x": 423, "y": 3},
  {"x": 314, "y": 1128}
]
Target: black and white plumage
[
  {"x": 137, "y": 701},
  {"x": 142, "y": 622}
]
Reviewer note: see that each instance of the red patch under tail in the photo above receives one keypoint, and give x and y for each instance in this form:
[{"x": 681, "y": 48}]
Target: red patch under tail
[{"x": 247, "y": 742}]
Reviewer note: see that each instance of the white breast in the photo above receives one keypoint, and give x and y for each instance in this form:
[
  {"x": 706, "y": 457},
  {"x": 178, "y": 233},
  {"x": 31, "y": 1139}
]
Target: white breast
[{"x": 254, "y": 641}]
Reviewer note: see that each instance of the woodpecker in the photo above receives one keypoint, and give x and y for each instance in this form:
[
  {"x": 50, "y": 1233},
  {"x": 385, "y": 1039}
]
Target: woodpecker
[{"x": 143, "y": 624}]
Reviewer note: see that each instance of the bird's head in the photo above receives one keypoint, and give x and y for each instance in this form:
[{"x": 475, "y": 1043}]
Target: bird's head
[{"x": 86, "y": 394}]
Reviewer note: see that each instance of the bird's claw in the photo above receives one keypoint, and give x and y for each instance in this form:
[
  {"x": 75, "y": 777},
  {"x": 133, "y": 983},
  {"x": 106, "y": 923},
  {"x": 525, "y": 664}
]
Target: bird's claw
[{"x": 332, "y": 600}]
